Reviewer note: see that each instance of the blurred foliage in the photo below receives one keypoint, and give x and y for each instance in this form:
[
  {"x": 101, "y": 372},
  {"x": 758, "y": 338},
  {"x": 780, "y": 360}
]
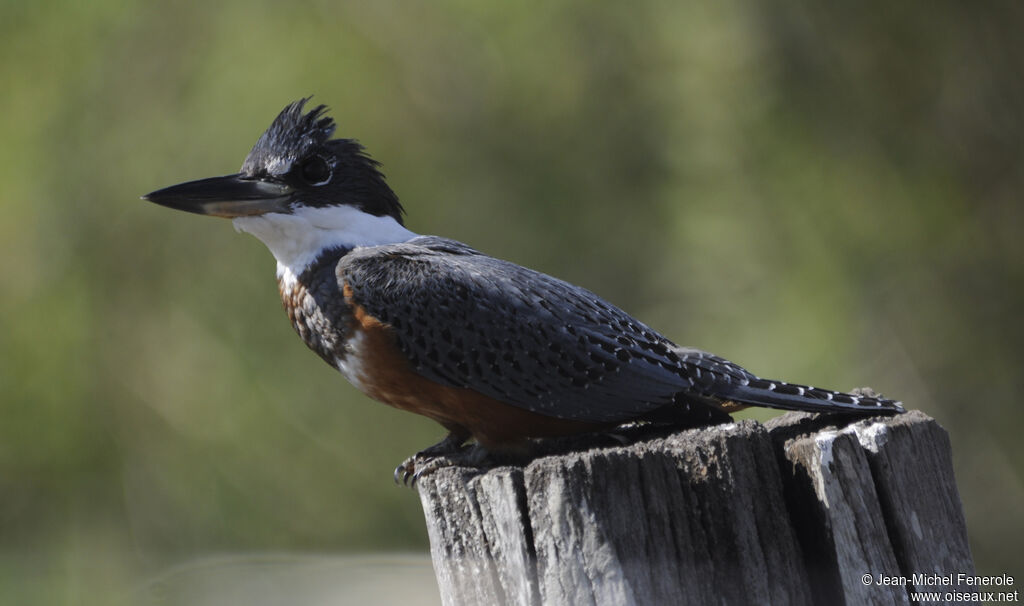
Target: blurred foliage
[{"x": 825, "y": 193}]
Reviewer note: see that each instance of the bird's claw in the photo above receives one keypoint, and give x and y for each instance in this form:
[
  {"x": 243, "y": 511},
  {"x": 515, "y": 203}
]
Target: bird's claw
[
  {"x": 405, "y": 470},
  {"x": 418, "y": 466},
  {"x": 429, "y": 459}
]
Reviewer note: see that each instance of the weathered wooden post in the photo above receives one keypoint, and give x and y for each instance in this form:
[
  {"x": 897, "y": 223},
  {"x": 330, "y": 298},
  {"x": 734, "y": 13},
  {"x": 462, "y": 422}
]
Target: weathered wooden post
[{"x": 798, "y": 511}]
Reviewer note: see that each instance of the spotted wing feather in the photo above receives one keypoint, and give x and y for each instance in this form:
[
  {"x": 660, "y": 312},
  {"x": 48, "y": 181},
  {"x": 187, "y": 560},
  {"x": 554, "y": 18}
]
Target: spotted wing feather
[
  {"x": 530, "y": 340},
  {"x": 522, "y": 337}
]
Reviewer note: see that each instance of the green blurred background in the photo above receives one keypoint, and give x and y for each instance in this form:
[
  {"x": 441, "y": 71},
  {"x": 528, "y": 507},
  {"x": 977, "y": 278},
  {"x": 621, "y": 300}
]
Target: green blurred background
[{"x": 830, "y": 195}]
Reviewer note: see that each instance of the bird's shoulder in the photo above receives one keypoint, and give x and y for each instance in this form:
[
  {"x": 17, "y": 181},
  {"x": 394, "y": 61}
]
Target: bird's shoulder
[
  {"x": 432, "y": 263},
  {"x": 418, "y": 247}
]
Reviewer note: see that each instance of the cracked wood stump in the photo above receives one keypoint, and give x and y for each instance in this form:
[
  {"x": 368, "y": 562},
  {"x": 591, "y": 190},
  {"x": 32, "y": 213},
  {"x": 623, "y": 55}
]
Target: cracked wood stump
[{"x": 797, "y": 511}]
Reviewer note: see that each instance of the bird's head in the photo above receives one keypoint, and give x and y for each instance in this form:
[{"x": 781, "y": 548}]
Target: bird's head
[
  {"x": 294, "y": 164},
  {"x": 299, "y": 191}
]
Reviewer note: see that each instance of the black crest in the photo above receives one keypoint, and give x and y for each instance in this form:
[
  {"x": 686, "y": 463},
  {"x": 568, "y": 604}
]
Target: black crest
[
  {"x": 297, "y": 150},
  {"x": 291, "y": 136}
]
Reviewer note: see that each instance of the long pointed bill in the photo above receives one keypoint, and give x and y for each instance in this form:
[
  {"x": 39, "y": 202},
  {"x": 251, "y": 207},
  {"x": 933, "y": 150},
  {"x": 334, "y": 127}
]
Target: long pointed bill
[{"x": 228, "y": 196}]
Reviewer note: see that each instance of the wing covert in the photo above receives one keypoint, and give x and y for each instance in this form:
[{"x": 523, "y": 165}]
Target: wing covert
[{"x": 522, "y": 337}]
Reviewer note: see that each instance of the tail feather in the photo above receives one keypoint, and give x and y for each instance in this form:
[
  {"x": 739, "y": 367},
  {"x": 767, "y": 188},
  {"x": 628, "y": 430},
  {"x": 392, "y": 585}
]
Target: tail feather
[
  {"x": 788, "y": 396},
  {"x": 724, "y": 381}
]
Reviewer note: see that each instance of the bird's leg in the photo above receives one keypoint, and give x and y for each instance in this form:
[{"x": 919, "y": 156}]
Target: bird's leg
[{"x": 432, "y": 457}]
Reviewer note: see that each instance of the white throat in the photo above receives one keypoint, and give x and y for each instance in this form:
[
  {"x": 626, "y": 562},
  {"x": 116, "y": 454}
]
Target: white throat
[{"x": 298, "y": 238}]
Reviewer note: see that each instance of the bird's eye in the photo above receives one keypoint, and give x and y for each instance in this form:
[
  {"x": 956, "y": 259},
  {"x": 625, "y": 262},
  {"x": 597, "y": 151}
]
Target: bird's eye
[{"x": 315, "y": 170}]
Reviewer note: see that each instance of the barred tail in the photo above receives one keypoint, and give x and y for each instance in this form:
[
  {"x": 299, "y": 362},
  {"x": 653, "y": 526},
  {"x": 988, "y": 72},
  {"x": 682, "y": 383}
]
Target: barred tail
[
  {"x": 787, "y": 396},
  {"x": 725, "y": 381}
]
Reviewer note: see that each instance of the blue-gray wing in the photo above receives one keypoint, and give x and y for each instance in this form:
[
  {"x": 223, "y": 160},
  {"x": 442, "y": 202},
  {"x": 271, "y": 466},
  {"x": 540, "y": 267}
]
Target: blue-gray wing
[{"x": 519, "y": 336}]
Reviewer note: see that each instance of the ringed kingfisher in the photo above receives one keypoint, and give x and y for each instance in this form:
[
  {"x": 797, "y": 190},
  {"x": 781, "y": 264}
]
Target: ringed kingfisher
[{"x": 491, "y": 350}]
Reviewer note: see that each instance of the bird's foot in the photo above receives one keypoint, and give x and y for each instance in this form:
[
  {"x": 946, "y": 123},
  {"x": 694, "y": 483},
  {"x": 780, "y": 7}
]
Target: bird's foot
[
  {"x": 447, "y": 452},
  {"x": 416, "y": 467}
]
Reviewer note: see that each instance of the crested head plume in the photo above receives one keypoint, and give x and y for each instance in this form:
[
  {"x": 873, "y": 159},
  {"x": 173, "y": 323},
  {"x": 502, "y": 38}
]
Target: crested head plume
[{"x": 291, "y": 136}]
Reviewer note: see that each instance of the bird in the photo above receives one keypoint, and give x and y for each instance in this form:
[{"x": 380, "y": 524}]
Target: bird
[{"x": 500, "y": 355}]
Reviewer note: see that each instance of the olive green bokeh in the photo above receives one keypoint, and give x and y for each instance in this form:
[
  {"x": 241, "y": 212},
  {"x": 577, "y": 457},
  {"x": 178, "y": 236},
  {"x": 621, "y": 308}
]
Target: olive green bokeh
[{"x": 829, "y": 195}]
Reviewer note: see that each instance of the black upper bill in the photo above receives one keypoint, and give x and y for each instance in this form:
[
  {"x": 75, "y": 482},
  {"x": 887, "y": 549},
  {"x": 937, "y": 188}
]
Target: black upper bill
[{"x": 228, "y": 196}]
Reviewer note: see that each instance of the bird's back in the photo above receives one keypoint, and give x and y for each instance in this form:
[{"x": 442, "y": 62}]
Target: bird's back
[{"x": 465, "y": 319}]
